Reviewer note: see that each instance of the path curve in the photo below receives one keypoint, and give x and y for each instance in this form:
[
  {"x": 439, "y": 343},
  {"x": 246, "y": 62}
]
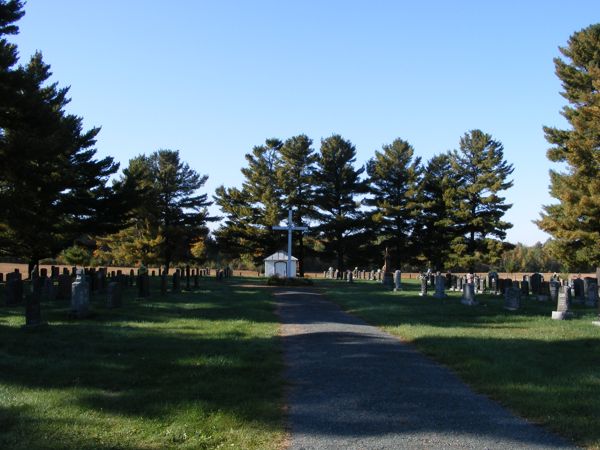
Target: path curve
[{"x": 352, "y": 386}]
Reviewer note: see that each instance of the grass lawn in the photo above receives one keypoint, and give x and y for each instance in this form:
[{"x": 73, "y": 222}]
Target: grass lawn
[
  {"x": 545, "y": 370},
  {"x": 200, "y": 369}
]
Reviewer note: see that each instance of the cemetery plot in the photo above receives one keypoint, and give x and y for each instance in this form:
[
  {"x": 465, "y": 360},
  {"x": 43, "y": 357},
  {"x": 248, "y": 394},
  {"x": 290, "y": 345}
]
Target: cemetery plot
[
  {"x": 196, "y": 369},
  {"x": 545, "y": 370}
]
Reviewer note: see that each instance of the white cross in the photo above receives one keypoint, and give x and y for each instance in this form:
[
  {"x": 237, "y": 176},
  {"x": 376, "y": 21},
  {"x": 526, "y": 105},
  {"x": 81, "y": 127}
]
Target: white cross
[{"x": 290, "y": 227}]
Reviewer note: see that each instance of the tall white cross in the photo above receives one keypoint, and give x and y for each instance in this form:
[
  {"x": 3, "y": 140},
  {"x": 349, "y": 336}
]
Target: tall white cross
[{"x": 290, "y": 227}]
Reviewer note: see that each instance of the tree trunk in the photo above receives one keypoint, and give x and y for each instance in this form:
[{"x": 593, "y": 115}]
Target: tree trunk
[{"x": 301, "y": 256}]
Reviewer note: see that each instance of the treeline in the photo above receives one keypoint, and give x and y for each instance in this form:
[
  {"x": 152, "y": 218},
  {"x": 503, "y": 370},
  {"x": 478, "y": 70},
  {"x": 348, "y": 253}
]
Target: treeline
[{"x": 446, "y": 213}]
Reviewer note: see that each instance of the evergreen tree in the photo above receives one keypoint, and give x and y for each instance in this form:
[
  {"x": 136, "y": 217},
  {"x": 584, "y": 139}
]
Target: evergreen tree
[
  {"x": 337, "y": 183},
  {"x": 394, "y": 175},
  {"x": 482, "y": 173},
  {"x": 251, "y": 211},
  {"x": 52, "y": 189},
  {"x": 295, "y": 175},
  {"x": 171, "y": 215},
  {"x": 436, "y": 224},
  {"x": 574, "y": 221}
]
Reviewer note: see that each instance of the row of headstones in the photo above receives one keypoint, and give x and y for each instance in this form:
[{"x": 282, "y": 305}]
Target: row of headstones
[
  {"x": 562, "y": 294},
  {"x": 372, "y": 275},
  {"x": 59, "y": 287}
]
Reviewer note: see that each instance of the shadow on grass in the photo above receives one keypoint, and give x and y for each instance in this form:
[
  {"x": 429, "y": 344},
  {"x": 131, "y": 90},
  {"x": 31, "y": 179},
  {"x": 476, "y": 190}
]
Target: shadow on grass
[{"x": 213, "y": 351}]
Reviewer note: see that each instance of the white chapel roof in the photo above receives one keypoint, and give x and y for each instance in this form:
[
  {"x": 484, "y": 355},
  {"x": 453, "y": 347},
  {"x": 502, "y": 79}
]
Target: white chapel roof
[{"x": 279, "y": 256}]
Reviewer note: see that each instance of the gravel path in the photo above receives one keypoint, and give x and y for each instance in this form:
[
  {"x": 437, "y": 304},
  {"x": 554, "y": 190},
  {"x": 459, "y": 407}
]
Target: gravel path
[{"x": 353, "y": 386}]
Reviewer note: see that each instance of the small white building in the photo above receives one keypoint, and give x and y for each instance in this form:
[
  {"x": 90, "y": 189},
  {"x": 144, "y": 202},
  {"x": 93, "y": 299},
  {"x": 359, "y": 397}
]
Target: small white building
[{"x": 276, "y": 264}]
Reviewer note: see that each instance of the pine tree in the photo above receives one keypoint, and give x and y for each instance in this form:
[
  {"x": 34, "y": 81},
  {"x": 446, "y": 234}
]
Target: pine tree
[
  {"x": 171, "y": 214},
  {"x": 296, "y": 175},
  {"x": 52, "y": 187},
  {"x": 482, "y": 173},
  {"x": 394, "y": 175},
  {"x": 337, "y": 184},
  {"x": 436, "y": 224},
  {"x": 574, "y": 221},
  {"x": 251, "y": 211}
]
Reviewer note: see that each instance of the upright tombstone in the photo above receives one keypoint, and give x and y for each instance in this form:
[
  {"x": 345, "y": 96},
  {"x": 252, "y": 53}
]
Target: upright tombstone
[
  {"x": 577, "y": 292},
  {"x": 177, "y": 282},
  {"x": 48, "y": 292},
  {"x": 336, "y": 274},
  {"x": 397, "y": 281},
  {"x": 460, "y": 283},
  {"x": 454, "y": 285},
  {"x": 188, "y": 278},
  {"x": 591, "y": 298},
  {"x": 564, "y": 304},
  {"x": 525, "y": 288},
  {"x": 13, "y": 289},
  {"x": 493, "y": 282},
  {"x": 468, "y": 297},
  {"x": 512, "y": 298},
  {"x": 33, "y": 313},
  {"x": 350, "y": 277},
  {"x": 163, "y": 282},
  {"x": 440, "y": 286},
  {"x": 424, "y": 280},
  {"x": 64, "y": 287},
  {"x": 143, "y": 282},
  {"x": 80, "y": 297},
  {"x": 448, "y": 281},
  {"x": 536, "y": 283},
  {"x": 114, "y": 298},
  {"x": 554, "y": 288},
  {"x": 544, "y": 291},
  {"x": 196, "y": 279},
  {"x": 388, "y": 276},
  {"x": 500, "y": 286}
]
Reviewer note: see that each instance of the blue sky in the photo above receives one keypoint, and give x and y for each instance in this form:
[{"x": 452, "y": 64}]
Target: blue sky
[{"x": 213, "y": 79}]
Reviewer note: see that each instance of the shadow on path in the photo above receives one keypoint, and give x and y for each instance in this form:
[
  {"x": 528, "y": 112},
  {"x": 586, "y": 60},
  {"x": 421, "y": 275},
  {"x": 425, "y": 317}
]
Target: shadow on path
[{"x": 354, "y": 386}]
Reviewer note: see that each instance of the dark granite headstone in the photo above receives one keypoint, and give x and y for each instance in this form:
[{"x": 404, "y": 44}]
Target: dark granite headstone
[
  {"x": 13, "y": 289},
  {"x": 64, "y": 287},
  {"x": 114, "y": 298},
  {"x": 512, "y": 298},
  {"x": 535, "y": 280},
  {"x": 176, "y": 282}
]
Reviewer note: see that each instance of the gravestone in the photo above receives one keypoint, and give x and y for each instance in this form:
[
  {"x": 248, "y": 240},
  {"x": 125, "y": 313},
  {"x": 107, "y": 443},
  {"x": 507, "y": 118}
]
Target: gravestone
[
  {"x": 114, "y": 297},
  {"x": 48, "y": 292},
  {"x": 440, "y": 285},
  {"x": 591, "y": 298},
  {"x": 143, "y": 282},
  {"x": 397, "y": 281},
  {"x": 501, "y": 285},
  {"x": 512, "y": 298},
  {"x": 101, "y": 280},
  {"x": 454, "y": 282},
  {"x": 525, "y": 288},
  {"x": 448, "y": 281},
  {"x": 554, "y": 289},
  {"x": 187, "y": 278},
  {"x": 80, "y": 296},
  {"x": 196, "y": 280},
  {"x": 564, "y": 304},
  {"x": 33, "y": 313},
  {"x": 350, "y": 277},
  {"x": 163, "y": 282},
  {"x": 54, "y": 272},
  {"x": 460, "y": 284},
  {"x": 535, "y": 280},
  {"x": 424, "y": 280},
  {"x": 13, "y": 289},
  {"x": 64, "y": 287},
  {"x": 177, "y": 281},
  {"x": 468, "y": 297},
  {"x": 493, "y": 281},
  {"x": 336, "y": 274},
  {"x": 544, "y": 291},
  {"x": 578, "y": 293}
]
